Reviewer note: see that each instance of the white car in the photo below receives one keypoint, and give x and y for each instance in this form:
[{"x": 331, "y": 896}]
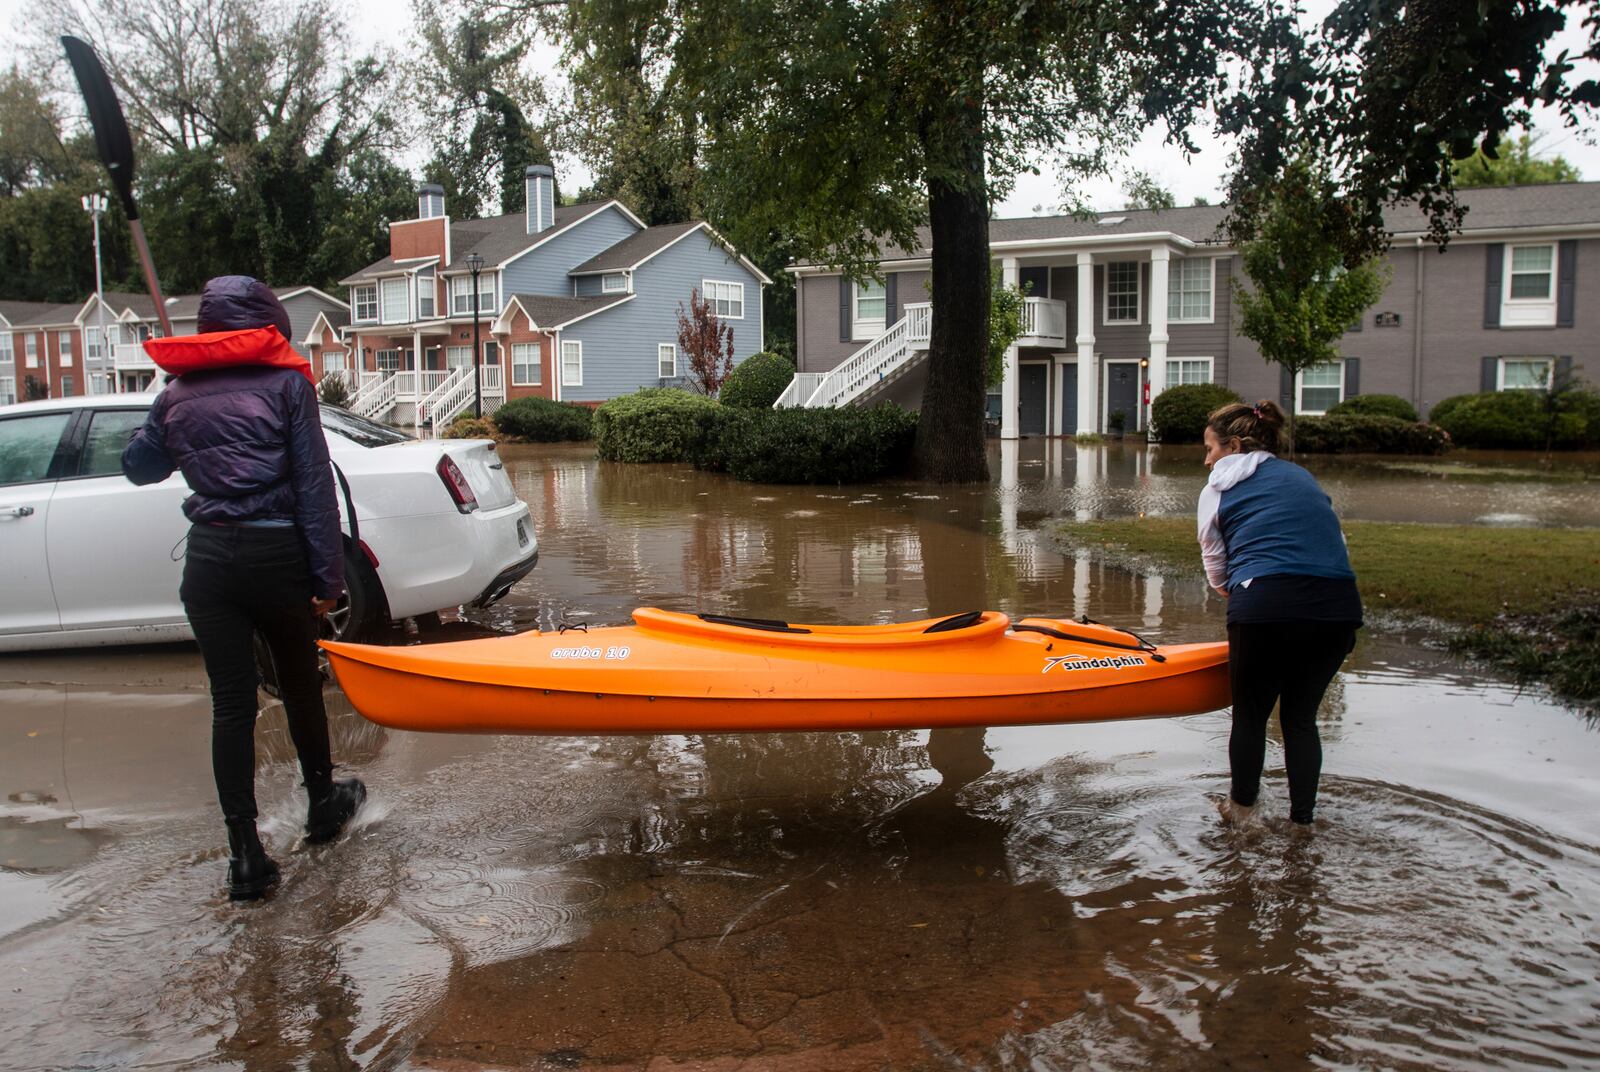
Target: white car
[{"x": 91, "y": 559}]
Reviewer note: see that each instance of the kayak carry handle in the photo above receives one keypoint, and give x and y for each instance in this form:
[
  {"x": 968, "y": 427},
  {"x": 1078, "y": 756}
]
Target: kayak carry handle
[
  {"x": 769, "y": 625},
  {"x": 958, "y": 621},
  {"x": 1143, "y": 646}
]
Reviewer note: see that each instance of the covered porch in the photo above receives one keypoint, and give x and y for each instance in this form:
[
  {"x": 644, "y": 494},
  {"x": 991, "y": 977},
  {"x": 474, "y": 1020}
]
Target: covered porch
[{"x": 424, "y": 377}]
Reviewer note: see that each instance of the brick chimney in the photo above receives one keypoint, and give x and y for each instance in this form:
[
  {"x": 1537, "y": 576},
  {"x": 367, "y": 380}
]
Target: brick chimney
[
  {"x": 426, "y": 236},
  {"x": 539, "y": 188}
]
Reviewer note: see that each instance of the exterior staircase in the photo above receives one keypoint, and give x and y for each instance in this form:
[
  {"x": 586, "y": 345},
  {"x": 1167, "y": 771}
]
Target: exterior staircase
[{"x": 901, "y": 348}]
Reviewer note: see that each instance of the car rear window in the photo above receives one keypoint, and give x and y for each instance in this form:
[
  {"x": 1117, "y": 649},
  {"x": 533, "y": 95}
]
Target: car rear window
[{"x": 359, "y": 430}]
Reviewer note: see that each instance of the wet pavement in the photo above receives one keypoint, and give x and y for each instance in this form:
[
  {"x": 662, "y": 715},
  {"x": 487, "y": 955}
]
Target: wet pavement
[{"x": 1023, "y": 898}]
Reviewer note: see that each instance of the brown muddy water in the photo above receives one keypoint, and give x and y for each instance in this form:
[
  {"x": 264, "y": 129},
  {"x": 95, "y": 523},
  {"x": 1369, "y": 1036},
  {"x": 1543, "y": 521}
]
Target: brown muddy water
[{"x": 1040, "y": 898}]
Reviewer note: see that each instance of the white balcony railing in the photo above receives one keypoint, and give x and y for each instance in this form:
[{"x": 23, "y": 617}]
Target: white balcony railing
[
  {"x": 130, "y": 355},
  {"x": 1044, "y": 318},
  {"x": 919, "y": 322}
]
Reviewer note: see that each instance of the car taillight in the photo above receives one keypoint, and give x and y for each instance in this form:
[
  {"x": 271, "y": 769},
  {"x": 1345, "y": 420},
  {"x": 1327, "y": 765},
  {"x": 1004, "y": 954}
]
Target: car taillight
[{"x": 456, "y": 484}]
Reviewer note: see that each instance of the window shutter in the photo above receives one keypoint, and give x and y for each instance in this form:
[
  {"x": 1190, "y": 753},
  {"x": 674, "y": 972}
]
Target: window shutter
[
  {"x": 1567, "y": 281},
  {"x": 844, "y": 308},
  {"x": 891, "y": 298},
  {"x": 1486, "y": 380},
  {"x": 1563, "y": 373},
  {"x": 1286, "y": 389},
  {"x": 1495, "y": 254},
  {"x": 1352, "y": 377}
]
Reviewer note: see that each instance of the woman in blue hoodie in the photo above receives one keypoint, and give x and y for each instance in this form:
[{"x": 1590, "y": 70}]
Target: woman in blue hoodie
[
  {"x": 1273, "y": 548},
  {"x": 264, "y": 550}
]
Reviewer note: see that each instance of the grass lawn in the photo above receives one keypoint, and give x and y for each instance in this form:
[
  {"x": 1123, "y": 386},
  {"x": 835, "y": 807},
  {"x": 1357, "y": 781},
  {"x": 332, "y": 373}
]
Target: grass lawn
[
  {"x": 1464, "y": 574},
  {"x": 1527, "y": 600}
]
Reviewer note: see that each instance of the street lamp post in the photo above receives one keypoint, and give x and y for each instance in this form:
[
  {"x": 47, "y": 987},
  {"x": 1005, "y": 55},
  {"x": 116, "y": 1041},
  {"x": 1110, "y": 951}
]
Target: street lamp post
[
  {"x": 95, "y": 205},
  {"x": 475, "y": 265}
]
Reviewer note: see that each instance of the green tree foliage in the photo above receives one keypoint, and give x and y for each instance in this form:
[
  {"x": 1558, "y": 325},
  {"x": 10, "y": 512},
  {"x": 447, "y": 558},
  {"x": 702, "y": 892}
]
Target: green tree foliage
[
  {"x": 1005, "y": 324},
  {"x": 844, "y": 127},
  {"x": 1514, "y": 164},
  {"x": 1143, "y": 191},
  {"x": 1394, "y": 92},
  {"x": 1303, "y": 294},
  {"x": 475, "y": 99}
]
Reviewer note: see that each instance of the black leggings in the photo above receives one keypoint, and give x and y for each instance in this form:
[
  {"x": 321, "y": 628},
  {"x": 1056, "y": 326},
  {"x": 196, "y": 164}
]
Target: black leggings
[
  {"x": 237, "y": 580},
  {"x": 1289, "y": 664}
]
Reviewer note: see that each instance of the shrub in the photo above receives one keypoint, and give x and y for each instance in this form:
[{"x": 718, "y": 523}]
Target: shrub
[
  {"x": 543, "y": 420},
  {"x": 334, "y": 391},
  {"x": 1376, "y": 406},
  {"x": 1353, "y": 433},
  {"x": 656, "y": 424},
  {"x": 1444, "y": 407},
  {"x": 1523, "y": 420},
  {"x": 1179, "y": 413},
  {"x": 757, "y": 381},
  {"x": 469, "y": 427},
  {"x": 807, "y": 446}
]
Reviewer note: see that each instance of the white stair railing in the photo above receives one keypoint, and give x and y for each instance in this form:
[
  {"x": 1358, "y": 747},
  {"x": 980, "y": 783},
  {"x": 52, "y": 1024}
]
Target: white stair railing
[
  {"x": 377, "y": 398},
  {"x": 881, "y": 359},
  {"x": 448, "y": 403},
  {"x": 799, "y": 390},
  {"x": 428, "y": 406}
]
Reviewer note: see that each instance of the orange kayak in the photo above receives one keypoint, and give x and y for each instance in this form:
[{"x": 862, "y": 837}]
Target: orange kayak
[{"x": 682, "y": 673}]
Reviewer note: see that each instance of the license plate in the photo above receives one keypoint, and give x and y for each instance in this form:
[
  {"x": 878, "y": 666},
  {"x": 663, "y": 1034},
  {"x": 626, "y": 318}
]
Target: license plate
[{"x": 522, "y": 533}]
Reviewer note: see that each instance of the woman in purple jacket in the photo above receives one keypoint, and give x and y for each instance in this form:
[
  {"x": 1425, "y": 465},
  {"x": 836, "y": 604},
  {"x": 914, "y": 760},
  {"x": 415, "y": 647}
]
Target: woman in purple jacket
[
  {"x": 264, "y": 553},
  {"x": 1273, "y": 548}
]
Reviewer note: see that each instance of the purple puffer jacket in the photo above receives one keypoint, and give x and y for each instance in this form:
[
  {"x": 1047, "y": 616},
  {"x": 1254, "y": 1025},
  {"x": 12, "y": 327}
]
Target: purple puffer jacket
[{"x": 249, "y": 441}]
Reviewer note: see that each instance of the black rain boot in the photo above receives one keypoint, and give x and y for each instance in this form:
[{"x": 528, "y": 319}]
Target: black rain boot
[
  {"x": 251, "y": 872},
  {"x": 332, "y": 809}
]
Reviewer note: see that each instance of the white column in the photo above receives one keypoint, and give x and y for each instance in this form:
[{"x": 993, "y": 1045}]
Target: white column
[
  {"x": 1160, "y": 268},
  {"x": 1009, "y": 530},
  {"x": 1008, "y": 386},
  {"x": 1088, "y": 367}
]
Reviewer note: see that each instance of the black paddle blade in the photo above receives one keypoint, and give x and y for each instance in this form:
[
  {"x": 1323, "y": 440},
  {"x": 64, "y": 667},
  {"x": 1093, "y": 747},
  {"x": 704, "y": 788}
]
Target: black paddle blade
[{"x": 111, "y": 135}]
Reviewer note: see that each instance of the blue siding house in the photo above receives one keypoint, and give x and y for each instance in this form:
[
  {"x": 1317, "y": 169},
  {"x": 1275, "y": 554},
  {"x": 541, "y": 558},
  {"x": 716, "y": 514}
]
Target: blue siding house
[{"x": 577, "y": 303}]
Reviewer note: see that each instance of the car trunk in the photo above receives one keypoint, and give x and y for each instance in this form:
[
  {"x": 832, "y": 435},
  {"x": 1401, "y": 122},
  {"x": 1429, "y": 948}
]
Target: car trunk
[{"x": 482, "y": 467}]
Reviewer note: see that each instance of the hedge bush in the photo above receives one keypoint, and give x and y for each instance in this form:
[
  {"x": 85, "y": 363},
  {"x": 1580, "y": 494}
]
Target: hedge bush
[
  {"x": 333, "y": 391},
  {"x": 469, "y": 427},
  {"x": 807, "y": 446},
  {"x": 1376, "y": 406},
  {"x": 1522, "y": 420},
  {"x": 757, "y": 381},
  {"x": 656, "y": 424},
  {"x": 544, "y": 420},
  {"x": 1354, "y": 433},
  {"x": 1179, "y": 413}
]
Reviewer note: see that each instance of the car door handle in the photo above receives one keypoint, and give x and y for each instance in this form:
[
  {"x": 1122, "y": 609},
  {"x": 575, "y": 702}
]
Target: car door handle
[
  {"x": 496, "y": 465},
  {"x": 18, "y": 511}
]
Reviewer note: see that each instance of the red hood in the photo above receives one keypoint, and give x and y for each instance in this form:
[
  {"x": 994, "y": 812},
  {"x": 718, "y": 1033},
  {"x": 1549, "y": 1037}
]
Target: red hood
[{"x": 225, "y": 349}]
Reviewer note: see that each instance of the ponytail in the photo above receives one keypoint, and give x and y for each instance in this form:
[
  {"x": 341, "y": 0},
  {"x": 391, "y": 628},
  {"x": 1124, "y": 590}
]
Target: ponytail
[{"x": 1257, "y": 427}]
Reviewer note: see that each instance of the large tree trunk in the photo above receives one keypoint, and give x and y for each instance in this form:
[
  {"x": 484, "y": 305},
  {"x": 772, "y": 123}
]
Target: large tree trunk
[{"x": 949, "y": 447}]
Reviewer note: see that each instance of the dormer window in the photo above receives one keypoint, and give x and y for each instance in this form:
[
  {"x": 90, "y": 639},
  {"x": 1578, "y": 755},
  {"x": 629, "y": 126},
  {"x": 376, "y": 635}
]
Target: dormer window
[
  {"x": 364, "y": 303},
  {"x": 614, "y": 283}
]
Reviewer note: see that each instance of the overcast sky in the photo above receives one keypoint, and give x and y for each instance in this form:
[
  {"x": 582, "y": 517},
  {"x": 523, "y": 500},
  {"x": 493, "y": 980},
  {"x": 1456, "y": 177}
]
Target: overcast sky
[{"x": 373, "y": 22}]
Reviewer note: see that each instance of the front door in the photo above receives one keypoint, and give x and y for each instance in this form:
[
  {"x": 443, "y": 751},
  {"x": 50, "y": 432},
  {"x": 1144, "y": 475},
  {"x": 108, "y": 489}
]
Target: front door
[
  {"x": 1031, "y": 398},
  {"x": 1068, "y": 375},
  {"x": 1122, "y": 395},
  {"x": 28, "y": 449}
]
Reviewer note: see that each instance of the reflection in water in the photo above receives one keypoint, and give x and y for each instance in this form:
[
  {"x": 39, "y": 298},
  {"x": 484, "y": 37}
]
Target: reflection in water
[{"x": 1025, "y": 898}]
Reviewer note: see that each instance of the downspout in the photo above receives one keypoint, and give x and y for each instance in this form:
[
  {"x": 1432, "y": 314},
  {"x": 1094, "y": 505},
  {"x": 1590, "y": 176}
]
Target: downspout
[
  {"x": 555, "y": 365},
  {"x": 1416, "y": 332}
]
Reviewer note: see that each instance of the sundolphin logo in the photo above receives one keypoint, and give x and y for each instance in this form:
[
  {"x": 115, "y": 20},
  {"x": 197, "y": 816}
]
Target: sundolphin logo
[{"x": 1083, "y": 662}]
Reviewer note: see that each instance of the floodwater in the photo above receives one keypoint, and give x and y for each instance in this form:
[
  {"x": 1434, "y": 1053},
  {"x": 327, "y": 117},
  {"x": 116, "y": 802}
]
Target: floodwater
[{"x": 1042, "y": 898}]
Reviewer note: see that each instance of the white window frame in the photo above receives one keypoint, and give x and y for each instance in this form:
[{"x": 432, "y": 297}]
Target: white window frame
[
  {"x": 1549, "y": 364},
  {"x": 1178, "y": 268},
  {"x": 30, "y": 350},
  {"x": 64, "y": 348},
  {"x": 334, "y": 361},
  {"x": 8, "y": 390},
  {"x": 709, "y": 291},
  {"x": 364, "y": 297},
  {"x": 93, "y": 345},
  {"x": 1138, "y": 295},
  {"x": 519, "y": 351},
  {"x": 867, "y": 327},
  {"x": 458, "y": 356},
  {"x": 385, "y": 292},
  {"x": 620, "y": 279},
  {"x": 461, "y": 294},
  {"x": 427, "y": 291},
  {"x": 574, "y": 347},
  {"x": 392, "y": 356},
  {"x": 1299, "y": 390},
  {"x": 667, "y": 360},
  {"x": 8, "y": 353},
  {"x": 1176, "y": 363},
  {"x": 1528, "y": 311}
]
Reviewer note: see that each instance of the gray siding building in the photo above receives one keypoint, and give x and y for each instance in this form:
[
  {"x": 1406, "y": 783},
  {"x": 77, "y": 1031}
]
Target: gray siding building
[{"x": 1121, "y": 306}]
